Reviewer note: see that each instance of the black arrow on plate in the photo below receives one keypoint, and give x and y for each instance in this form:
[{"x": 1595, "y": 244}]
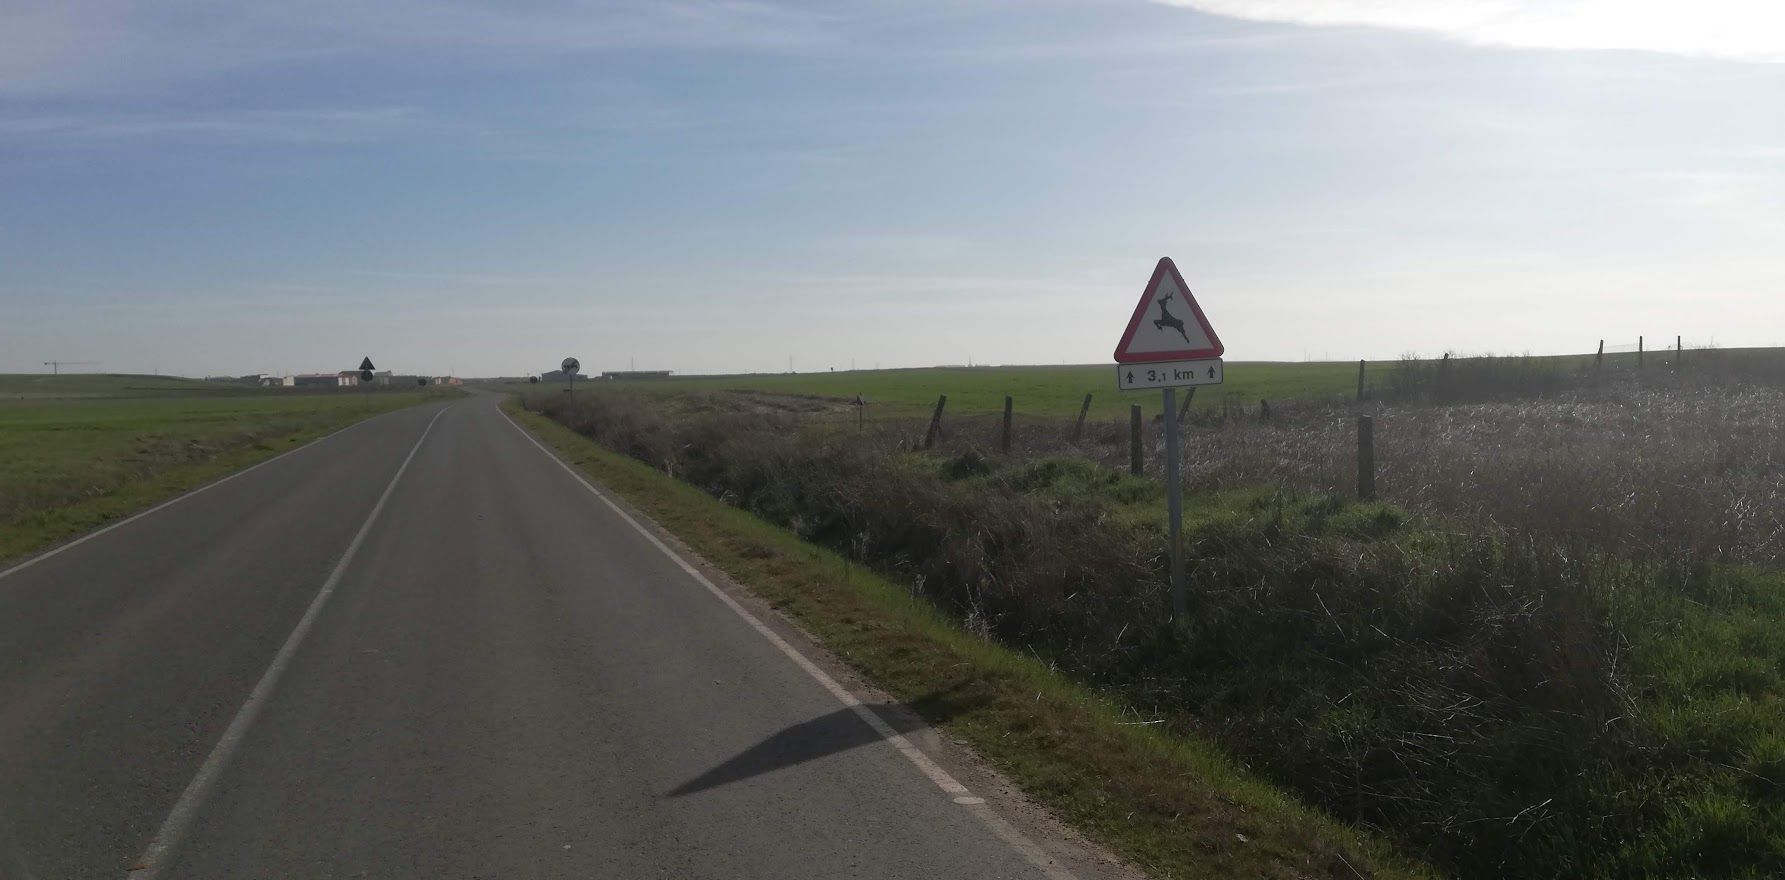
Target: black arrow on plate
[
  {"x": 1211, "y": 372},
  {"x": 1131, "y": 375}
]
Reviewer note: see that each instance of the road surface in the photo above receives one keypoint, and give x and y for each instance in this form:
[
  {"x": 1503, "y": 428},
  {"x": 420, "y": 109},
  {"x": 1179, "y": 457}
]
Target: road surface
[{"x": 422, "y": 647}]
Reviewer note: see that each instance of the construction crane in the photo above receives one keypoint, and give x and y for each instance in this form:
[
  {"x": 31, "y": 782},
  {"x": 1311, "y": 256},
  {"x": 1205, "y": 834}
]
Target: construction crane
[{"x": 56, "y": 366}]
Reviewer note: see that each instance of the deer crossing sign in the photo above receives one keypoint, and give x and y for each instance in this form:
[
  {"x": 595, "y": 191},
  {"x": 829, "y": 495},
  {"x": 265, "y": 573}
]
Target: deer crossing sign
[
  {"x": 1168, "y": 345},
  {"x": 1169, "y": 342}
]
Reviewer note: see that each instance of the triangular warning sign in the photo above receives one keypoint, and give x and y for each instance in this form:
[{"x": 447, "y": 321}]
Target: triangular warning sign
[
  {"x": 367, "y": 364},
  {"x": 1167, "y": 325}
]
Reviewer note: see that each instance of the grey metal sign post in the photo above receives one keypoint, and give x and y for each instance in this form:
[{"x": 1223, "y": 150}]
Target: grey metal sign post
[
  {"x": 1170, "y": 345},
  {"x": 1174, "y": 506}
]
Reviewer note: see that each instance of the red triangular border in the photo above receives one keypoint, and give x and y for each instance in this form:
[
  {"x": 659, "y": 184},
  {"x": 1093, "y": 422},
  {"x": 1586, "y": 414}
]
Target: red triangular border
[{"x": 1140, "y": 313}]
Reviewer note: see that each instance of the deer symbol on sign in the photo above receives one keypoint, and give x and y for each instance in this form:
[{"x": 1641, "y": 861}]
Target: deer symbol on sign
[{"x": 1167, "y": 320}]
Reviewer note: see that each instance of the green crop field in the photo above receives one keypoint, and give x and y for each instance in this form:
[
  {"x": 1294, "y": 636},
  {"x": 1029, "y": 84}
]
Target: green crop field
[
  {"x": 23, "y": 386},
  {"x": 78, "y": 450},
  {"x": 1058, "y": 391},
  {"x": 1039, "y": 390}
]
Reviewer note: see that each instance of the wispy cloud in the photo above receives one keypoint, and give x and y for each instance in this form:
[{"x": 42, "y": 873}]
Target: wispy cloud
[
  {"x": 464, "y": 279},
  {"x": 1745, "y": 205},
  {"x": 82, "y": 46},
  {"x": 1751, "y": 154},
  {"x": 294, "y": 127},
  {"x": 1290, "y": 88},
  {"x": 1741, "y": 30}
]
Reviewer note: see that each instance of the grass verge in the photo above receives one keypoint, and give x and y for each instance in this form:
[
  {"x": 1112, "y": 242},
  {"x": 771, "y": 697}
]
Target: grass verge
[{"x": 1176, "y": 806}]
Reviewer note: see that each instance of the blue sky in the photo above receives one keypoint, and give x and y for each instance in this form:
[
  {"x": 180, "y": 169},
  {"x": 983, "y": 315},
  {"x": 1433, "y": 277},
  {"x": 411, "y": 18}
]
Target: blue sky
[{"x": 204, "y": 187}]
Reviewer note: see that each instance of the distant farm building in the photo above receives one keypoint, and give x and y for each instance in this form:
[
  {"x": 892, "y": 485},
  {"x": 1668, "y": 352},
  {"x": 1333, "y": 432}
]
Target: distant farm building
[
  {"x": 636, "y": 374},
  {"x": 314, "y": 380},
  {"x": 557, "y": 376}
]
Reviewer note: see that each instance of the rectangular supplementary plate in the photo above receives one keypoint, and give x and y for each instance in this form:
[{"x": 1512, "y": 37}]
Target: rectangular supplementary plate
[{"x": 1168, "y": 374}]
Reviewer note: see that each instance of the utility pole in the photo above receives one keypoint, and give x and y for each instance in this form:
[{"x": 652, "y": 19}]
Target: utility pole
[{"x": 56, "y": 366}]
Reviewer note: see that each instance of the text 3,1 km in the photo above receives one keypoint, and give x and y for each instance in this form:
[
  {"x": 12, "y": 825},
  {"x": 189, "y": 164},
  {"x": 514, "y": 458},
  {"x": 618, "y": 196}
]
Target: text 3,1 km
[{"x": 1169, "y": 374}]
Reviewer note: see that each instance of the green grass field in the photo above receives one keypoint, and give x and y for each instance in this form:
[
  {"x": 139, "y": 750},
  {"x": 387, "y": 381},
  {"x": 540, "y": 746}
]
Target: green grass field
[
  {"x": 1038, "y": 390},
  {"x": 27, "y": 386},
  {"x": 77, "y": 451},
  {"x": 1058, "y": 391}
]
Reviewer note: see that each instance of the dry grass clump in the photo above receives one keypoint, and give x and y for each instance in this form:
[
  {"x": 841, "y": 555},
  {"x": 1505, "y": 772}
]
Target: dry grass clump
[
  {"x": 1006, "y": 561},
  {"x": 1641, "y": 470},
  {"x": 1637, "y": 472}
]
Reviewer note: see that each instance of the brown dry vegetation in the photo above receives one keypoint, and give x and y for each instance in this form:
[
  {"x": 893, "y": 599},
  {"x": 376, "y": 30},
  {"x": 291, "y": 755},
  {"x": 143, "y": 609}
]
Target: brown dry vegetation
[
  {"x": 1631, "y": 470},
  {"x": 1636, "y": 468}
]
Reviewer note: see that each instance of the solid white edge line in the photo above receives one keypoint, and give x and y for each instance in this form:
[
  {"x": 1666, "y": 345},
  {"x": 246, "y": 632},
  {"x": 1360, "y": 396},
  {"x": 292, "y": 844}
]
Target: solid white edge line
[
  {"x": 47, "y": 554},
  {"x": 179, "y": 819},
  {"x": 996, "y": 823}
]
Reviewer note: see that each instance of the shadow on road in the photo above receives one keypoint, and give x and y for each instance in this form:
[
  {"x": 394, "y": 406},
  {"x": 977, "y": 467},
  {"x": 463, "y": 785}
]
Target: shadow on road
[{"x": 828, "y": 734}]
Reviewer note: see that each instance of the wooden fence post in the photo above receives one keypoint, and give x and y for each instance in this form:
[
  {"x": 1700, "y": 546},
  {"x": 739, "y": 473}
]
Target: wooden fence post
[
  {"x": 1134, "y": 439},
  {"x": 1189, "y": 397},
  {"x": 1599, "y": 359},
  {"x": 1360, "y": 381},
  {"x": 1004, "y": 441},
  {"x": 929, "y": 439},
  {"x": 1679, "y": 353},
  {"x": 1366, "y": 459},
  {"x": 1078, "y": 430},
  {"x": 1639, "y": 352}
]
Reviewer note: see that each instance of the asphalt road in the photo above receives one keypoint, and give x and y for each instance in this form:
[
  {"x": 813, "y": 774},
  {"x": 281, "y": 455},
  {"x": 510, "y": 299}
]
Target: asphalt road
[{"x": 421, "y": 647}]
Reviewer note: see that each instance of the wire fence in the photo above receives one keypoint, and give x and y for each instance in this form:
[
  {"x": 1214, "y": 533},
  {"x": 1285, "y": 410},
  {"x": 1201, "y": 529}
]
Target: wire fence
[{"x": 1657, "y": 344}]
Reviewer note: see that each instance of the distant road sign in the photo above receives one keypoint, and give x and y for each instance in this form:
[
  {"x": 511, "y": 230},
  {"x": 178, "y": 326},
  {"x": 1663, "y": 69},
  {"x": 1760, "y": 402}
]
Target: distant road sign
[
  {"x": 366, "y": 364},
  {"x": 1168, "y": 374},
  {"x": 571, "y": 366},
  {"x": 1167, "y": 324}
]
